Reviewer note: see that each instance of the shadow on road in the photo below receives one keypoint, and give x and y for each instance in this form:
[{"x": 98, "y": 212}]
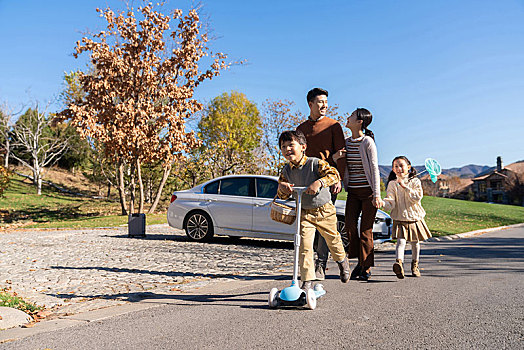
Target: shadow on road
[
  {"x": 172, "y": 273},
  {"x": 217, "y": 240},
  {"x": 471, "y": 256},
  {"x": 237, "y": 300},
  {"x": 485, "y": 248}
]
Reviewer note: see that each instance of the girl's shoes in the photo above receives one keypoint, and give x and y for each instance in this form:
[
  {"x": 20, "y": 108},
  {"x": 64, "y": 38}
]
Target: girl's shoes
[
  {"x": 398, "y": 269},
  {"x": 414, "y": 268}
]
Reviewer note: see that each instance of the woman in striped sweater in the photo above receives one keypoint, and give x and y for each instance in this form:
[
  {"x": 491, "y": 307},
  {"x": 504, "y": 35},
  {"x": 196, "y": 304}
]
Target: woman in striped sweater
[{"x": 362, "y": 184}]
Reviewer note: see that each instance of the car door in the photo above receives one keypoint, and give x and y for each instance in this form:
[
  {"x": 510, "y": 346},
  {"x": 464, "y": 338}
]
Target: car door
[
  {"x": 232, "y": 207},
  {"x": 266, "y": 189}
]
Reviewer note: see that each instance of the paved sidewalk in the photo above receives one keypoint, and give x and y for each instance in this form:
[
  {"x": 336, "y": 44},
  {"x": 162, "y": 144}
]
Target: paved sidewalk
[{"x": 73, "y": 271}]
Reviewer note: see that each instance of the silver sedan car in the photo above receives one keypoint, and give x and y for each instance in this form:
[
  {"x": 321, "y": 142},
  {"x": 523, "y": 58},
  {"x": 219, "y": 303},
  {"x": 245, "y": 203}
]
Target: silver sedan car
[{"x": 239, "y": 206}]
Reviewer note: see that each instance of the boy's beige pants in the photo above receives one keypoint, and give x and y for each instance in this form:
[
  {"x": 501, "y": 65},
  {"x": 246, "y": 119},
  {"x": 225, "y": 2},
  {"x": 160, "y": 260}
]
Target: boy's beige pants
[{"x": 323, "y": 219}]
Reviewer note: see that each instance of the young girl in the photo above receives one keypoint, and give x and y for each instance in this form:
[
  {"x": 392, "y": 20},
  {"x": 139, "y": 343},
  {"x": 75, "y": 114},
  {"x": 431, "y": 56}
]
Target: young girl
[
  {"x": 404, "y": 192},
  {"x": 362, "y": 183}
]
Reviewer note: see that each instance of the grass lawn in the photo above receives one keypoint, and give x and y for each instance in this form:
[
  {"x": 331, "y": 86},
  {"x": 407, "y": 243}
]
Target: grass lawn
[
  {"x": 449, "y": 216},
  {"x": 446, "y": 216},
  {"x": 22, "y": 207}
]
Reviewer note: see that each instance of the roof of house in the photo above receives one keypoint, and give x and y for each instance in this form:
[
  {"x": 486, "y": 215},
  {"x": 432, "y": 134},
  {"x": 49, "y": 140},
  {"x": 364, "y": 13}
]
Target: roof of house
[
  {"x": 513, "y": 169},
  {"x": 517, "y": 167},
  {"x": 483, "y": 177},
  {"x": 493, "y": 174}
]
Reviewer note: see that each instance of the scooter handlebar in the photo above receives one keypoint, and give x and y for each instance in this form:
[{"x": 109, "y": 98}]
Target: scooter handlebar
[{"x": 299, "y": 190}]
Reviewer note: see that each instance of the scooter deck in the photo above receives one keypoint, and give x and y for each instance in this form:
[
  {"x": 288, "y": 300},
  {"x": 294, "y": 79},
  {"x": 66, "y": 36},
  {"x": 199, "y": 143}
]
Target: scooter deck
[
  {"x": 301, "y": 301},
  {"x": 320, "y": 293}
]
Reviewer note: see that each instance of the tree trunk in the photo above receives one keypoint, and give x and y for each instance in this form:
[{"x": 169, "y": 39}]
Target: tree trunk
[
  {"x": 167, "y": 170},
  {"x": 149, "y": 190},
  {"x": 37, "y": 177},
  {"x": 140, "y": 187},
  {"x": 121, "y": 188},
  {"x": 132, "y": 189},
  {"x": 7, "y": 151},
  {"x": 39, "y": 184},
  {"x": 193, "y": 180}
]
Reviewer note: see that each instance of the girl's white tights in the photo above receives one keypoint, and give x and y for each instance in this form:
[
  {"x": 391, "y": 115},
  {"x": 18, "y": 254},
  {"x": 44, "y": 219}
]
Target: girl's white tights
[{"x": 401, "y": 246}]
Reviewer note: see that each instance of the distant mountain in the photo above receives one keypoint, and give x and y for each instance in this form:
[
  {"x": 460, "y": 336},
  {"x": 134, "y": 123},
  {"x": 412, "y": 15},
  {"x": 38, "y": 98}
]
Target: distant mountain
[{"x": 467, "y": 171}]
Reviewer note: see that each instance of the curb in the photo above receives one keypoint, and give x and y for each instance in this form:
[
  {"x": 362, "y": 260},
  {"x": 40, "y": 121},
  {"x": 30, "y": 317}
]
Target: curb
[
  {"x": 472, "y": 233},
  {"x": 61, "y": 322},
  {"x": 11, "y": 317}
]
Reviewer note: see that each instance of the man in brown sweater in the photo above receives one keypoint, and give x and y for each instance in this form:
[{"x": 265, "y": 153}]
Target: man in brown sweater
[{"x": 324, "y": 137}]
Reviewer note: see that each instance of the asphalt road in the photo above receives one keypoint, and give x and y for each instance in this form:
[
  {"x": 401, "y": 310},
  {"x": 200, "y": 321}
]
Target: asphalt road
[{"x": 470, "y": 296}]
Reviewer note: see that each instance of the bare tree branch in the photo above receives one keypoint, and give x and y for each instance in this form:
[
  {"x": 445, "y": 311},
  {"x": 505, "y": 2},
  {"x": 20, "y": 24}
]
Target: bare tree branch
[{"x": 29, "y": 138}]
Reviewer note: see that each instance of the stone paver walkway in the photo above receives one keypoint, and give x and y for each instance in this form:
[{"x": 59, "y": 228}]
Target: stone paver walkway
[{"x": 72, "y": 271}]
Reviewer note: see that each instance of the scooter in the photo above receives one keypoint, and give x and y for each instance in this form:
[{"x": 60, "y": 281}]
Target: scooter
[{"x": 293, "y": 295}]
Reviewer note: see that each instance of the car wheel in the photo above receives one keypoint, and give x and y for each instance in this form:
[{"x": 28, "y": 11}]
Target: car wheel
[
  {"x": 341, "y": 228},
  {"x": 199, "y": 227}
]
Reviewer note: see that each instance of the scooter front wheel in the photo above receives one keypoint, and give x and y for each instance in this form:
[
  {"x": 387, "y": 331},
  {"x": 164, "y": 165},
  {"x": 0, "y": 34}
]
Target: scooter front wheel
[
  {"x": 272, "y": 299},
  {"x": 311, "y": 299}
]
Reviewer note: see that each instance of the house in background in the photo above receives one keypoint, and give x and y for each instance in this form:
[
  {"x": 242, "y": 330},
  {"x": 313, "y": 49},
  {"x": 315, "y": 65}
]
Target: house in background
[
  {"x": 446, "y": 186},
  {"x": 503, "y": 185}
]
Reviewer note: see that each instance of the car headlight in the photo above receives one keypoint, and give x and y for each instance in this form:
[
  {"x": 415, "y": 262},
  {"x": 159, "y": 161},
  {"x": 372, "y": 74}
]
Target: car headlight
[{"x": 385, "y": 220}]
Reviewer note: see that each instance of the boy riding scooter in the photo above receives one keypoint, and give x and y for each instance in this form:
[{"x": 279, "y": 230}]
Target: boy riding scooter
[{"x": 318, "y": 213}]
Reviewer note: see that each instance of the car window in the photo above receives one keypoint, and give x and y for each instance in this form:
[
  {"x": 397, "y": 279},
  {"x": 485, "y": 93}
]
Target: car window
[
  {"x": 236, "y": 186},
  {"x": 212, "y": 188},
  {"x": 266, "y": 188}
]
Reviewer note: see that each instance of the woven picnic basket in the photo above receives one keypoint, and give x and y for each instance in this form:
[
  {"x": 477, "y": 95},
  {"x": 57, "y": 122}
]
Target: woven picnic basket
[{"x": 282, "y": 212}]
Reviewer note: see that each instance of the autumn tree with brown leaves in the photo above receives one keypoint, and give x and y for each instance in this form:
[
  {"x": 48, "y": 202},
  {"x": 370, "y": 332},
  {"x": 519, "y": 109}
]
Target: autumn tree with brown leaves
[{"x": 146, "y": 66}]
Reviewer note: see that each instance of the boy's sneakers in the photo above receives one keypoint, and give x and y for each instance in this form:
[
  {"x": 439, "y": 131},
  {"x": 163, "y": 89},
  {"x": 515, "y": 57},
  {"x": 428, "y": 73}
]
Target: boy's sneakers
[
  {"x": 320, "y": 270},
  {"x": 307, "y": 285},
  {"x": 398, "y": 269},
  {"x": 343, "y": 266},
  {"x": 356, "y": 272},
  {"x": 414, "y": 268}
]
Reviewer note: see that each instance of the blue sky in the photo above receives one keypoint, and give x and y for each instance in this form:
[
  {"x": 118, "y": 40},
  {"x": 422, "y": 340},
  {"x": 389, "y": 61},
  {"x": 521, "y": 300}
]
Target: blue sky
[{"x": 443, "y": 79}]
